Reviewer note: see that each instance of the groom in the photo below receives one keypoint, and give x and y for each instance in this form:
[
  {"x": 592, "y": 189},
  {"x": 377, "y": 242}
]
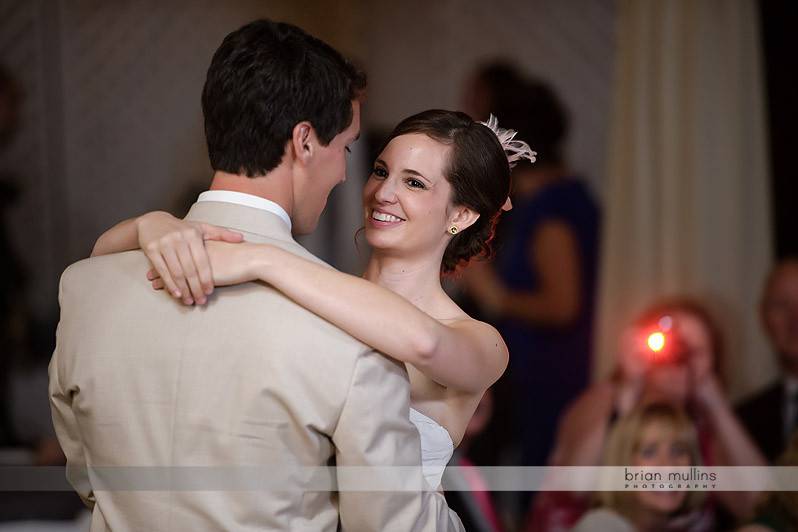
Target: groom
[{"x": 140, "y": 382}]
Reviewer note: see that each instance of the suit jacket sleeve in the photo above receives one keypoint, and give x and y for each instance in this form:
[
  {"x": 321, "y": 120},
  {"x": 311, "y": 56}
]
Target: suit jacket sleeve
[
  {"x": 374, "y": 429},
  {"x": 64, "y": 421}
]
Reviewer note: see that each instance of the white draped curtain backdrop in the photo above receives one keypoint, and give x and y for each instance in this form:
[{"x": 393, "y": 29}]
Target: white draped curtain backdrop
[{"x": 686, "y": 203}]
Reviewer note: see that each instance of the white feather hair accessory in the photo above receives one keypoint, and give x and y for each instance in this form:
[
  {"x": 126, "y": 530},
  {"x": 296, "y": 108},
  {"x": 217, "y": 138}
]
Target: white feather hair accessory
[{"x": 515, "y": 150}]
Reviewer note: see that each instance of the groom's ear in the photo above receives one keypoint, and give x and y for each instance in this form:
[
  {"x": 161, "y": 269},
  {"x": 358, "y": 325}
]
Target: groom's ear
[{"x": 303, "y": 141}]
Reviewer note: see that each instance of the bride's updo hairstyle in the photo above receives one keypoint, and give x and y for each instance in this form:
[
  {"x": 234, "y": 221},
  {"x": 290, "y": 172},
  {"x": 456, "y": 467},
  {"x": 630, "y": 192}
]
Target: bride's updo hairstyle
[{"x": 477, "y": 170}]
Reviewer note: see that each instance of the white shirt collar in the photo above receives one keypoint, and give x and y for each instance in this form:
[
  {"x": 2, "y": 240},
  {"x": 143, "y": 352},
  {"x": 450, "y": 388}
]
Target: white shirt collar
[{"x": 247, "y": 200}]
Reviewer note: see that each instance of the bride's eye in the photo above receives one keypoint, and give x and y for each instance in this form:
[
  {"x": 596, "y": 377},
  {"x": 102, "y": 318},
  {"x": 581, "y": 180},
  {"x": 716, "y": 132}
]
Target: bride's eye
[
  {"x": 379, "y": 172},
  {"x": 415, "y": 183}
]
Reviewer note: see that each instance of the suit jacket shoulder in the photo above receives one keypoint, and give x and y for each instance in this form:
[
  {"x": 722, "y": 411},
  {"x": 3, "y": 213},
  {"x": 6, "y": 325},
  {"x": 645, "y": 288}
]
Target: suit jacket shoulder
[{"x": 251, "y": 378}]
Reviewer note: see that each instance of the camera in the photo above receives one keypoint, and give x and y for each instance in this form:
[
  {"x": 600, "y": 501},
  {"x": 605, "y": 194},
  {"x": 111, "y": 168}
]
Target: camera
[{"x": 664, "y": 345}]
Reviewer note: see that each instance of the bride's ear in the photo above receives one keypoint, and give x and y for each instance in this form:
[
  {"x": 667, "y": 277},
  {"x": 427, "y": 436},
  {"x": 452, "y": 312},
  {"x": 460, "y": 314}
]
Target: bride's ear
[
  {"x": 462, "y": 218},
  {"x": 303, "y": 141}
]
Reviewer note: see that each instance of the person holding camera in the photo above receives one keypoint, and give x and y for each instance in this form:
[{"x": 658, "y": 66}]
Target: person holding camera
[{"x": 670, "y": 354}]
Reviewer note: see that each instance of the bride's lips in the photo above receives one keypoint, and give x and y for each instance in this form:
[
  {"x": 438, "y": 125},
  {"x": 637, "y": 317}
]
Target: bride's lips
[{"x": 382, "y": 219}]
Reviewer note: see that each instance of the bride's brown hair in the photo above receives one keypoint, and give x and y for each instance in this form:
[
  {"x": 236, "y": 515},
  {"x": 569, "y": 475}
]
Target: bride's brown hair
[{"x": 478, "y": 172}]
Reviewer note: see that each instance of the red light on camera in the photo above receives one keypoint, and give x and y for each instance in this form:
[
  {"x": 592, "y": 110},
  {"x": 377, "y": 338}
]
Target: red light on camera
[
  {"x": 663, "y": 343},
  {"x": 656, "y": 341}
]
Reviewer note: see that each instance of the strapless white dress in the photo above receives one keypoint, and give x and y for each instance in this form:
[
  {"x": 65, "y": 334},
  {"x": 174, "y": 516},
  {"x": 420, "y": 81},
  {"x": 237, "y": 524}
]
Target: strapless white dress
[{"x": 436, "y": 447}]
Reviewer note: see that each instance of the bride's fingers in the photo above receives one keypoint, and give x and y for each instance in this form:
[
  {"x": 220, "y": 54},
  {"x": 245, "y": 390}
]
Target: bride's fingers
[
  {"x": 175, "y": 271},
  {"x": 200, "y": 256},
  {"x": 213, "y": 232},
  {"x": 153, "y": 274},
  {"x": 190, "y": 273},
  {"x": 158, "y": 284},
  {"x": 163, "y": 271}
]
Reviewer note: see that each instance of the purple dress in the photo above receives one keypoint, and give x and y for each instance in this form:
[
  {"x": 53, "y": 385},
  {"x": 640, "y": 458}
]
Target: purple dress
[{"x": 548, "y": 366}]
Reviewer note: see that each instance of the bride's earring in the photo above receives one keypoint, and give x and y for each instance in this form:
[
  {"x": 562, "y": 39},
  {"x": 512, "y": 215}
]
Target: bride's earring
[{"x": 453, "y": 229}]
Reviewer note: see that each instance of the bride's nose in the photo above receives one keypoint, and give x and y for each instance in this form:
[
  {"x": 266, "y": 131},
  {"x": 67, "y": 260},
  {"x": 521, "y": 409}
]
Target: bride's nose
[{"x": 386, "y": 191}]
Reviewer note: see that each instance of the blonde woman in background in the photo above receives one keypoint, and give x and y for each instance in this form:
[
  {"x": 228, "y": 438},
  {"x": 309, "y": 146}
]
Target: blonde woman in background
[{"x": 655, "y": 435}]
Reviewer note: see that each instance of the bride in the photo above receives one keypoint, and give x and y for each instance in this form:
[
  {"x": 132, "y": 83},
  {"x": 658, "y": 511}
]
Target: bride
[{"x": 430, "y": 205}]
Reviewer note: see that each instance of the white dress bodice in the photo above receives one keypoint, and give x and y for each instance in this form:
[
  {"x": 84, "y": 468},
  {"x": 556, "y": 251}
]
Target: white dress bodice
[{"x": 436, "y": 447}]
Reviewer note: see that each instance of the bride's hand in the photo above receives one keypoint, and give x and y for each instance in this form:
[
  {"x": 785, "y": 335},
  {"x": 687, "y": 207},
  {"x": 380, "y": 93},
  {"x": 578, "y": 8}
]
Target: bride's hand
[
  {"x": 230, "y": 263},
  {"x": 176, "y": 249}
]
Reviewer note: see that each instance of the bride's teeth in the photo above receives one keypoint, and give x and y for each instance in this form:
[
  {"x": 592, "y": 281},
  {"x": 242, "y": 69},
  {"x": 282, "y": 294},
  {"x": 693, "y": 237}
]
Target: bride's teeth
[{"x": 382, "y": 217}]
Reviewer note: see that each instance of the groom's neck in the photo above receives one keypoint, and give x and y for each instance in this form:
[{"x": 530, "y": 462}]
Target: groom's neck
[{"x": 274, "y": 186}]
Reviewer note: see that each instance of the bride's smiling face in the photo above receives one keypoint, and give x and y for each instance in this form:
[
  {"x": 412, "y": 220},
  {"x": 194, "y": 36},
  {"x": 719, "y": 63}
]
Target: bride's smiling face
[{"x": 407, "y": 199}]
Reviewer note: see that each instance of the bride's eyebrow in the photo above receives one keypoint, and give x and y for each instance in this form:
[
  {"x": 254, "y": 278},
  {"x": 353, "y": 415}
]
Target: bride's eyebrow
[
  {"x": 406, "y": 170},
  {"x": 417, "y": 174}
]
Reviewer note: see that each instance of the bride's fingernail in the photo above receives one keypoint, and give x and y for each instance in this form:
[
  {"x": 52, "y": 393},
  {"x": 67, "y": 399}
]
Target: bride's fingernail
[{"x": 176, "y": 293}]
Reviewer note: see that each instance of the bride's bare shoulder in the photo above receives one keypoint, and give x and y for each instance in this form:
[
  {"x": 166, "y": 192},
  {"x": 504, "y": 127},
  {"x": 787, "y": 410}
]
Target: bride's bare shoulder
[{"x": 454, "y": 316}]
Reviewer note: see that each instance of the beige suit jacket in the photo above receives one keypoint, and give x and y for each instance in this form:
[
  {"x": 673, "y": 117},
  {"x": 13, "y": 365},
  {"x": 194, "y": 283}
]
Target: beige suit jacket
[{"x": 148, "y": 390}]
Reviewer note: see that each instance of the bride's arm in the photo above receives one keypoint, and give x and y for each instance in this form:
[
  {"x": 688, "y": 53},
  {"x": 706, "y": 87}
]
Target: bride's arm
[
  {"x": 166, "y": 240},
  {"x": 466, "y": 355},
  {"x": 124, "y": 236}
]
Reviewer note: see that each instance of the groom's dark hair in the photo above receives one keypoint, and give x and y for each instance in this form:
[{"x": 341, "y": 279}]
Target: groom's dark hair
[{"x": 263, "y": 80}]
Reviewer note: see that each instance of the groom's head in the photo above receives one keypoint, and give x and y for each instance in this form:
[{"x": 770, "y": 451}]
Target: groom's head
[{"x": 278, "y": 97}]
